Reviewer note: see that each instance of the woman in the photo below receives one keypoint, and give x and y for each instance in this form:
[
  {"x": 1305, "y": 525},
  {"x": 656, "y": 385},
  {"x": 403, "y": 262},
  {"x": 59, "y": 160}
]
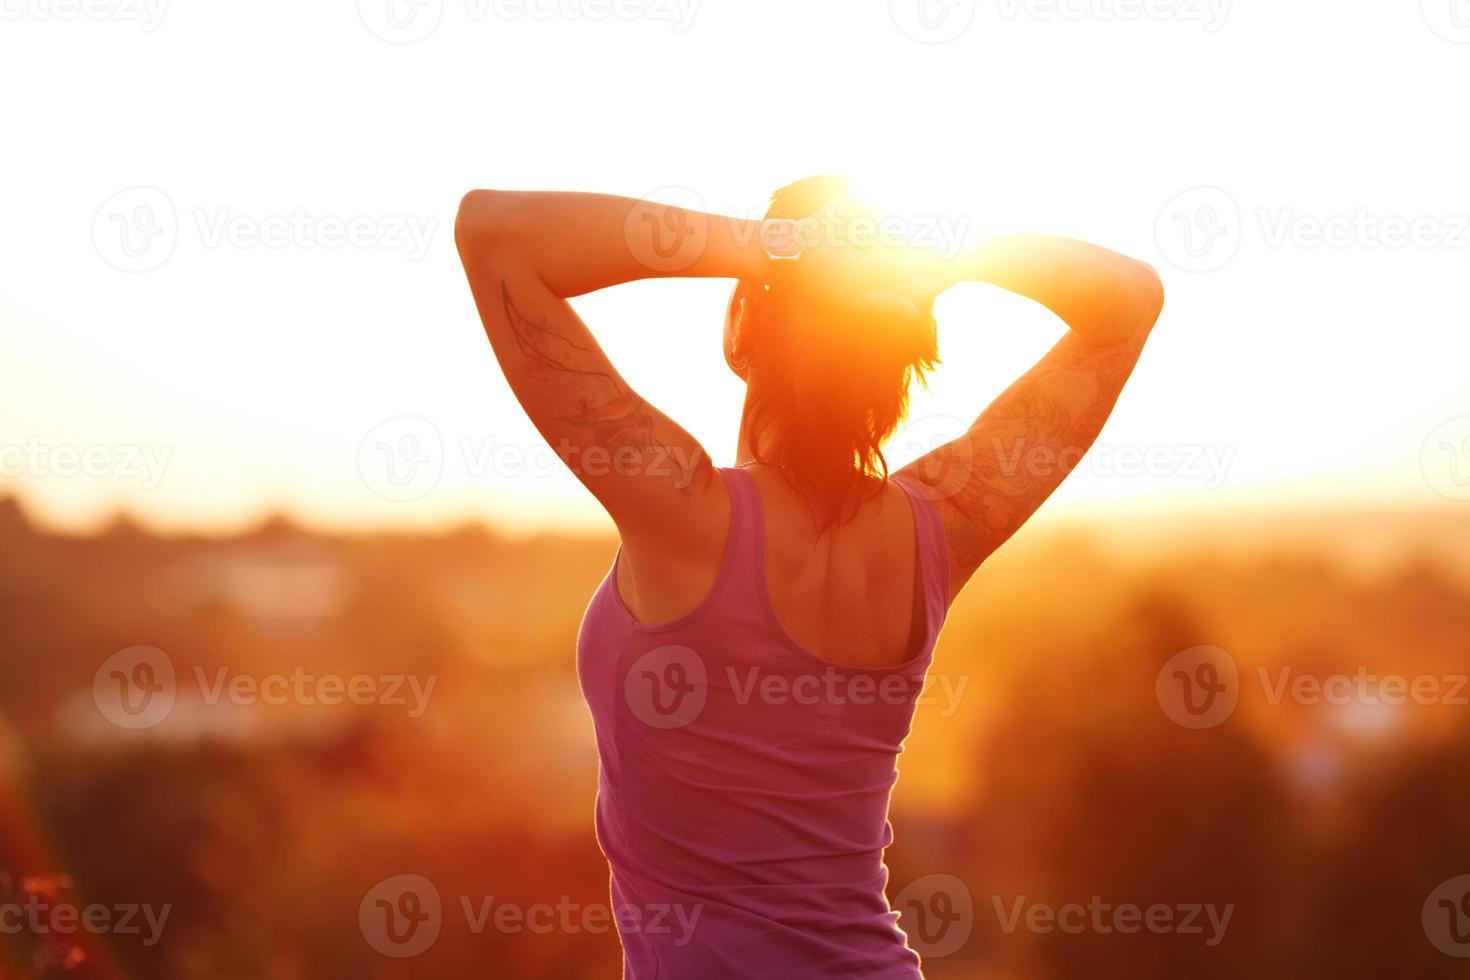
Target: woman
[{"x": 753, "y": 657}]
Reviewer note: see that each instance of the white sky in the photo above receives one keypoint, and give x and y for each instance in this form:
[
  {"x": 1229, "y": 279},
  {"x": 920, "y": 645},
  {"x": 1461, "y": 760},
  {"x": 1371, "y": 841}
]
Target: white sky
[{"x": 251, "y": 375}]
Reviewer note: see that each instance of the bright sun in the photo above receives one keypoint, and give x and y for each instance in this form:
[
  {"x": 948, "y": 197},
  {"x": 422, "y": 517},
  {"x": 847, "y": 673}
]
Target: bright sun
[{"x": 929, "y": 193}]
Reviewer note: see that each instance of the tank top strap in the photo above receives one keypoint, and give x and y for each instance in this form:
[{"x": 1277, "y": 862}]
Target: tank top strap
[
  {"x": 744, "y": 565},
  {"x": 933, "y": 550}
]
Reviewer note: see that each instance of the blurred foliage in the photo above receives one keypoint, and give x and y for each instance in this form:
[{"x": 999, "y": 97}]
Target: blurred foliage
[{"x": 1041, "y": 768}]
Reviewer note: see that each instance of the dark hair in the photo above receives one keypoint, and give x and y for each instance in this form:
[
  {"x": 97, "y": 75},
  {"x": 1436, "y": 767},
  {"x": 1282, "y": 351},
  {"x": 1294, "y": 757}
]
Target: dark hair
[{"x": 827, "y": 388}]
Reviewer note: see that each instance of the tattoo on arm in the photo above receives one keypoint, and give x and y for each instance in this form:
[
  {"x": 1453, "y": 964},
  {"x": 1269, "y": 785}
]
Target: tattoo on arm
[
  {"x": 614, "y": 415},
  {"x": 1024, "y": 445}
]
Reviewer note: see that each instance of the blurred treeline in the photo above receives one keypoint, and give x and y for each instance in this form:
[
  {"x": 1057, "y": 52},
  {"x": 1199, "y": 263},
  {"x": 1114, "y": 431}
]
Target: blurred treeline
[{"x": 1054, "y": 775}]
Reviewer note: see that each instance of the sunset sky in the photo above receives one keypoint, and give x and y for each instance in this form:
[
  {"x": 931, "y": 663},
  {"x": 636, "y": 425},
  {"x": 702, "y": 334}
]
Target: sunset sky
[{"x": 262, "y": 309}]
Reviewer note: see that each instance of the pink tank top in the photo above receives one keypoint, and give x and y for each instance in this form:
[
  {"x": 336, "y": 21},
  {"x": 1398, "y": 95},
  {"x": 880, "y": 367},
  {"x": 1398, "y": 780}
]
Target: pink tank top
[{"x": 743, "y": 794}]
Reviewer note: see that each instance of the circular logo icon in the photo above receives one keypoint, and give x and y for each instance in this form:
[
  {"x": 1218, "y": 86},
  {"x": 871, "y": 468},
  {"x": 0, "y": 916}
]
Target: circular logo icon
[
  {"x": 401, "y": 916},
  {"x": 937, "y": 913},
  {"x": 668, "y": 687},
  {"x": 135, "y": 688},
  {"x": 136, "y": 230},
  {"x": 1199, "y": 687},
  {"x": 401, "y": 459},
  {"x": 1199, "y": 230},
  {"x": 669, "y": 236},
  {"x": 400, "y": 21},
  {"x": 1445, "y": 459},
  {"x": 943, "y": 455},
  {"x": 1450, "y": 19},
  {"x": 1446, "y": 917},
  {"x": 932, "y": 21}
]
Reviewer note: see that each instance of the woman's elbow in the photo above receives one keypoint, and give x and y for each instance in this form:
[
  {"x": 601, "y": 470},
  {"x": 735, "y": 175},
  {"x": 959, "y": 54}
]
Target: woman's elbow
[
  {"x": 476, "y": 224},
  {"x": 1149, "y": 294}
]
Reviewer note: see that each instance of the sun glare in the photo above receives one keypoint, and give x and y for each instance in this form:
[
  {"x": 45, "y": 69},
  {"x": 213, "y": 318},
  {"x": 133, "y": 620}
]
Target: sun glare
[{"x": 915, "y": 195}]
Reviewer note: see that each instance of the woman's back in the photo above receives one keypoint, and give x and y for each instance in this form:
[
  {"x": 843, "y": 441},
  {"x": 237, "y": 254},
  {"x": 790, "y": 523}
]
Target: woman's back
[
  {"x": 746, "y": 775},
  {"x": 847, "y": 594}
]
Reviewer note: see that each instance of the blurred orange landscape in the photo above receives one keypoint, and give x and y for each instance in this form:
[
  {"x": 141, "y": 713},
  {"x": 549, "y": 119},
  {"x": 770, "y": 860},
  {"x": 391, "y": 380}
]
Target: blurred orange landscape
[{"x": 1314, "y": 820}]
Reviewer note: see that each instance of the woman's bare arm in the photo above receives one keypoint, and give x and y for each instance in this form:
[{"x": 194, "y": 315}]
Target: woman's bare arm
[
  {"x": 989, "y": 481},
  {"x": 525, "y": 253},
  {"x": 577, "y": 243}
]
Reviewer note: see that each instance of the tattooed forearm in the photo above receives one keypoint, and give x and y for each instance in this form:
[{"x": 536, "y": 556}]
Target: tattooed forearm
[
  {"x": 601, "y": 403},
  {"x": 550, "y": 349},
  {"x": 598, "y": 402},
  {"x": 1024, "y": 445}
]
